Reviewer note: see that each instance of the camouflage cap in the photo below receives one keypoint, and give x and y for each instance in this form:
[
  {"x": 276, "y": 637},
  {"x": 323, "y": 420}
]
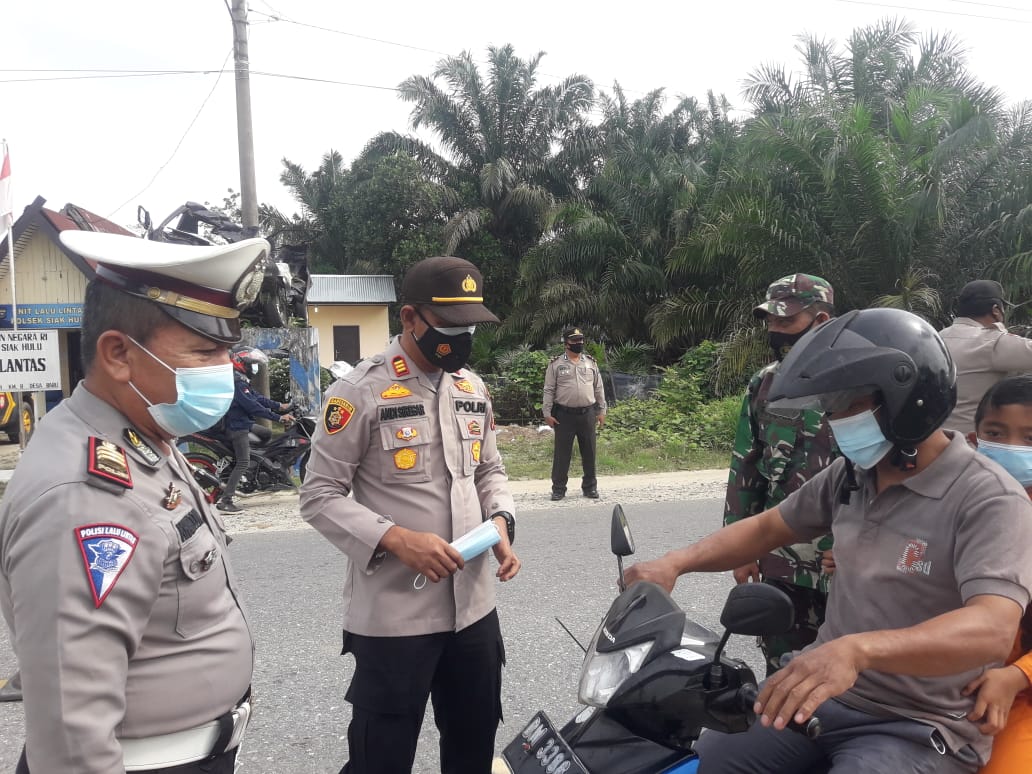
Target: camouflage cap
[{"x": 794, "y": 293}]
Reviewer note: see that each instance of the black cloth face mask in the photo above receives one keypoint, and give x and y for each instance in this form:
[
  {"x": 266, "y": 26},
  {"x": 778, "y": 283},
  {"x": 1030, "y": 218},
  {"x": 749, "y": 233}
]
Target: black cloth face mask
[
  {"x": 576, "y": 348},
  {"x": 782, "y": 343},
  {"x": 447, "y": 352}
]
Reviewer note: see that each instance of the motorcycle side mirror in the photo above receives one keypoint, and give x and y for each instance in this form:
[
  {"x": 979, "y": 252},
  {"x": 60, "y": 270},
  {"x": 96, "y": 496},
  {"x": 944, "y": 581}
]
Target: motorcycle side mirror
[
  {"x": 757, "y": 609},
  {"x": 143, "y": 218},
  {"x": 620, "y": 533}
]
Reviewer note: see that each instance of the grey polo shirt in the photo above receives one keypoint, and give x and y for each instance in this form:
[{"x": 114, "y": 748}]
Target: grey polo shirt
[{"x": 960, "y": 528}]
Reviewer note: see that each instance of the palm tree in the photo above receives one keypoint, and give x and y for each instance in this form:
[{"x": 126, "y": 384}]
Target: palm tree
[{"x": 508, "y": 147}]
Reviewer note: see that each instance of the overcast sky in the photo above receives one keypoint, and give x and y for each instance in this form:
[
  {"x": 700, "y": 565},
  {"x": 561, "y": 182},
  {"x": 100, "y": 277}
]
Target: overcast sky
[{"x": 113, "y": 143}]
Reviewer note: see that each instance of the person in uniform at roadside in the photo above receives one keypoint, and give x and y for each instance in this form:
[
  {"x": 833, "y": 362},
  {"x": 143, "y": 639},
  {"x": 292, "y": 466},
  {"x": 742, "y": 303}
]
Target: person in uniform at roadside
[
  {"x": 982, "y": 348},
  {"x": 775, "y": 453},
  {"x": 134, "y": 650},
  {"x": 410, "y": 433},
  {"x": 574, "y": 404}
]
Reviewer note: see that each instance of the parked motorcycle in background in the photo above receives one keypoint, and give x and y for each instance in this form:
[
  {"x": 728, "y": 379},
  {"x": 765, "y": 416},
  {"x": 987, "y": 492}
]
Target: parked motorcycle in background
[{"x": 651, "y": 681}]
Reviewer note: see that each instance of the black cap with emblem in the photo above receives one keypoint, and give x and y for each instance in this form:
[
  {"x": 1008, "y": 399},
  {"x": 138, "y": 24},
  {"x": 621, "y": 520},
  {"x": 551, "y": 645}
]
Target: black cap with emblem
[
  {"x": 202, "y": 287},
  {"x": 452, "y": 287}
]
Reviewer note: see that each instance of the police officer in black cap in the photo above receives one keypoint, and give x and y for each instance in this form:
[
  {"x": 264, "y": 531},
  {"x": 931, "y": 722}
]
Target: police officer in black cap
[
  {"x": 982, "y": 349},
  {"x": 574, "y": 404}
]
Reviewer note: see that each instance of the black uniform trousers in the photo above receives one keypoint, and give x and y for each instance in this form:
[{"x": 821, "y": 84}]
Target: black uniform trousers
[
  {"x": 461, "y": 672},
  {"x": 220, "y": 764},
  {"x": 582, "y": 427}
]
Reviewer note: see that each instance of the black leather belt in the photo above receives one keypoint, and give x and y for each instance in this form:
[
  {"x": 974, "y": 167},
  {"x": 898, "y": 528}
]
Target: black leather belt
[{"x": 572, "y": 409}]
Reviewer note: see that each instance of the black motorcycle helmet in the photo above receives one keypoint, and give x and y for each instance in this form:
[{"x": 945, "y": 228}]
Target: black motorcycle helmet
[{"x": 888, "y": 351}]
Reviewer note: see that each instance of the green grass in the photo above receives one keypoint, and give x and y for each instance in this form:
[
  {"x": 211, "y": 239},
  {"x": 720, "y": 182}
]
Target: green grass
[{"x": 530, "y": 456}]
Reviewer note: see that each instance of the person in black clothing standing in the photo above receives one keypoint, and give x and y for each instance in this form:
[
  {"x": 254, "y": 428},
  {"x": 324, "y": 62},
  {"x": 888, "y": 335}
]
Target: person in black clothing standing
[{"x": 247, "y": 407}]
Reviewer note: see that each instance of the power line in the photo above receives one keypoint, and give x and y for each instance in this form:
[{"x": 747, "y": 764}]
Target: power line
[
  {"x": 181, "y": 139},
  {"x": 935, "y": 10}
]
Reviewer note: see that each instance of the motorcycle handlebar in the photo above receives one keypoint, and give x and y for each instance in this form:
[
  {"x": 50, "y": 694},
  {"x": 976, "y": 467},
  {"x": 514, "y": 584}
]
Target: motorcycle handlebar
[{"x": 811, "y": 729}]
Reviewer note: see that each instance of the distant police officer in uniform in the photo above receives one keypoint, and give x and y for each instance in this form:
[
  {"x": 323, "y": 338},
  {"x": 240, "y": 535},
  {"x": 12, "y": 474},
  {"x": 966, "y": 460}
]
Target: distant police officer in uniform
[
  {"x": 410, "y": 434},
  {"x": 982, "y": 349},
  {"x": 574, "y": 403},
  {"x": 135, "y": 653}
]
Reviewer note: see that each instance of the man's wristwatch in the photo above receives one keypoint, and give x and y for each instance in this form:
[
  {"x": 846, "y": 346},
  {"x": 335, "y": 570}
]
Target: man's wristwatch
[{"x": 510, "y": 523}]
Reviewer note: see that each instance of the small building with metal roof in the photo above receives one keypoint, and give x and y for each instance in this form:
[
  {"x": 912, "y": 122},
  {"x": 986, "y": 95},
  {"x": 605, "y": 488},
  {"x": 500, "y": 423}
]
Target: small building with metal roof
[{"x": 350, "y": 313}]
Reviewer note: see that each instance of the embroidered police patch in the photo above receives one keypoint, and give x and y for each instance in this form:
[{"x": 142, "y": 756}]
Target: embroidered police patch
[
  {"x": 406, "y": 434},
  {"x": 337, "y": 415},
  {"x": 109, "y": 462},
  {"x": 473, "y": 426},
  {"x": 475, "y": 451},
  {"x": 405, "y": 459},
  {"x": 400, "y": 366},
  {"x": 465, "y": 385},
  {"x": 106, "y": 551},
  {"x": 396, "y": 391}
]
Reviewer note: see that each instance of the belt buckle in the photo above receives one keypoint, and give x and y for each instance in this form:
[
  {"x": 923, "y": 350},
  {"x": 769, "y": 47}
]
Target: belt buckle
[{"x": 241, "y": 717}]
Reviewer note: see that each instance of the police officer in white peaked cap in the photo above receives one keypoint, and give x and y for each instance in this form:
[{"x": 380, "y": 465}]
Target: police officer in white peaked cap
[{"x": 134, "y": 650}]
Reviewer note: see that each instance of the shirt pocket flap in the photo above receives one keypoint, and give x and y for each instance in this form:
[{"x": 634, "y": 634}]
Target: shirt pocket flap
[{"x": 401, "y": 433}]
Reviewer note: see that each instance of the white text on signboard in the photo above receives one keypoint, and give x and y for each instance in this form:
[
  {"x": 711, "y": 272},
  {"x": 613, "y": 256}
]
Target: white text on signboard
[{"x": 30, "y": 361}]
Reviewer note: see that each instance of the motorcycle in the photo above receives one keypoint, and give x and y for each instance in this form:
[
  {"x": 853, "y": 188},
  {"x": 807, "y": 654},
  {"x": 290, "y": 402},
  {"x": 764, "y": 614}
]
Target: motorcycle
[
  {"x": 272, "y": 461},
  {"x": 651, "y": 681}
]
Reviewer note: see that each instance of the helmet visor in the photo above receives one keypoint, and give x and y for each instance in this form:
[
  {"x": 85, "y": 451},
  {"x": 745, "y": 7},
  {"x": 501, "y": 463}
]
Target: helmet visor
[{"x": 825, "y": 402}]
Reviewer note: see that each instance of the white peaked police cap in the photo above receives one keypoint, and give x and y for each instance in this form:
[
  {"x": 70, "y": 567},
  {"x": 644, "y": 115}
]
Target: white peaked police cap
[{"x": 202, "y": 287}]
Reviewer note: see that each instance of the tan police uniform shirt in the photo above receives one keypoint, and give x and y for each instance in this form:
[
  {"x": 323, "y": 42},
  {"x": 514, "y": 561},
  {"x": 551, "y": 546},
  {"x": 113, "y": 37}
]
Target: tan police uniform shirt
[
  {"x": 983, "y": 357},
  {"x": 416, "y": 454},
  {"x": 571, "y": 384},
  {"x": 124, "y": 613},
  {"x": 960, "y": 528}
]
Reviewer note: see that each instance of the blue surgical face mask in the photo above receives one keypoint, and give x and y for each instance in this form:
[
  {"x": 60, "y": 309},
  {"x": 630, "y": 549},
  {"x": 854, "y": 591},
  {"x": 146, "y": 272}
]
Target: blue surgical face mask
[
  {"x": 1016, "y": 460},
  {"x": 470, "y": 546},
  {"x": 203, "y": 395},
  {"x": 861, "y": 439}
]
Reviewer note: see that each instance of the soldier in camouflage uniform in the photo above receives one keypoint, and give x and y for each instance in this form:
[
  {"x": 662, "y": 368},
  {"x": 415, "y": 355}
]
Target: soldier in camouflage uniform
[{"x": 775, "y": 453}]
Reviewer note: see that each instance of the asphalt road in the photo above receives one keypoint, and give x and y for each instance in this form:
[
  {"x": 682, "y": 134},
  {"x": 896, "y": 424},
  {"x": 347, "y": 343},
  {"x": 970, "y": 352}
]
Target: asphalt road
[{"x": 292, "y": 583}]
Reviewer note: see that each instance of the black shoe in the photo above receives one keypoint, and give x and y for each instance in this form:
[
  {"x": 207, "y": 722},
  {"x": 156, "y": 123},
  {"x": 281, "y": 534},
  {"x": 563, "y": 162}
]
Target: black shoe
[
  {"x": 592, "y": 493},
  {"x": 228, "y": 506},
  {"x": 558, "y": 495}
]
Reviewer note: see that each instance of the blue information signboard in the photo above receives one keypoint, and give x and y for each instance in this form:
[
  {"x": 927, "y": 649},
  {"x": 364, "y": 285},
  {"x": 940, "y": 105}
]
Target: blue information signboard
[{"x": 42, "y": 316}]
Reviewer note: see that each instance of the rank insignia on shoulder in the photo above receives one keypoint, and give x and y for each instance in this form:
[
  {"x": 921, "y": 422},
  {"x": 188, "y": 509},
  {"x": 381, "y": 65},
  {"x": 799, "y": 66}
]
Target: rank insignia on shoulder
[
  {"x": 396, "y": 391},
  {"x": 465, "y": 385},
  {"x": 405, "y": 459},
  {"x": 337, "y": 415},
  {"x": 106, "y": 551},
  {"x": 146, "y": 451},
  {"x": 475, "y": 451},
  {"x": 109, "y": 462},
  {"x": 406, "y": 434},
  {"x": 400, "y": 366},
  {"x": 474, "y": 427}
]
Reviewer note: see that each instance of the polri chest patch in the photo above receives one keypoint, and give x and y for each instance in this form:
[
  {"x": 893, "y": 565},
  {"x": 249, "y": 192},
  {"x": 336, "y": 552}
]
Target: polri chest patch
[
  {"x": 106, "y": 551},
  {"x": 337, "y": 415},
  {"x": 108, "y": 462},
  {"x": 465, "y": 385}
]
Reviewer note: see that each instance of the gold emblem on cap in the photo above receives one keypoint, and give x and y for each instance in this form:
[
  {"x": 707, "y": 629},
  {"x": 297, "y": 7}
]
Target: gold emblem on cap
[
  {"x": 405, "y": 459},
  {"x": 469, "y": 284}
]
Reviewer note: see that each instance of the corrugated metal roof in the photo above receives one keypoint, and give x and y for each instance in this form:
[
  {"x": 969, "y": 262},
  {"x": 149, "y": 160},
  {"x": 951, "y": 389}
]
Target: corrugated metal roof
[{"x": 351, "y": 289}]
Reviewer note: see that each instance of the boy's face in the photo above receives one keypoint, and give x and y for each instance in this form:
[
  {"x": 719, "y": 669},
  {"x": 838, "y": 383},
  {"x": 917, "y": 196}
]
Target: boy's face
[{"x": 1009, "y": 424}]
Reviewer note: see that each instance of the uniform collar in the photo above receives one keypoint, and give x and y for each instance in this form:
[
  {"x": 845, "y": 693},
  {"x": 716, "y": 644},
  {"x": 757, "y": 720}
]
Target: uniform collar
[
  {"x": 400, "y": 366},
  {"x": 109, "y": 423},
  {"x": 976, "y": 324}
]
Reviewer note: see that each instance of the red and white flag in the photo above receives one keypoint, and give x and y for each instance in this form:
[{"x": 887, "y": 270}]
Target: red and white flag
[{"x": 6, "y": 202}]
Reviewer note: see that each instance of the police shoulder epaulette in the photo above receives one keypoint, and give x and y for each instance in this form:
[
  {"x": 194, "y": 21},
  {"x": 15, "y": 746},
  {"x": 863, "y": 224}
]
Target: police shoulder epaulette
[
  {"x": 108, "y": 466},
  {"x": 555, "y": 357},
  {"x": 356, "y": 374}
]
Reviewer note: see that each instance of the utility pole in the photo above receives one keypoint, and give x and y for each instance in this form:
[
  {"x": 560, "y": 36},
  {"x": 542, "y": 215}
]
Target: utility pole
[{"x": 245, "y": 135}]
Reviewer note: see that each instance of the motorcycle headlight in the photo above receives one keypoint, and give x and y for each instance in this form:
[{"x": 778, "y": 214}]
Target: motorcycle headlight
[{"x": 603, "y": 673}]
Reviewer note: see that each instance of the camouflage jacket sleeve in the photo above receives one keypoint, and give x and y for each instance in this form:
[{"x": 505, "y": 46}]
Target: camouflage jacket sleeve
[{"x": 746, "y": 488}]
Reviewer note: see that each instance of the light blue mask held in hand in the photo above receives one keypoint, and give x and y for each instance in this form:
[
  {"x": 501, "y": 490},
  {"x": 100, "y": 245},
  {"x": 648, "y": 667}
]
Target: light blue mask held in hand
[
  {"x": 470, "y": 545},
  {"x": 1016, "y": 460},
  {"x": 861, "y": 439}
]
